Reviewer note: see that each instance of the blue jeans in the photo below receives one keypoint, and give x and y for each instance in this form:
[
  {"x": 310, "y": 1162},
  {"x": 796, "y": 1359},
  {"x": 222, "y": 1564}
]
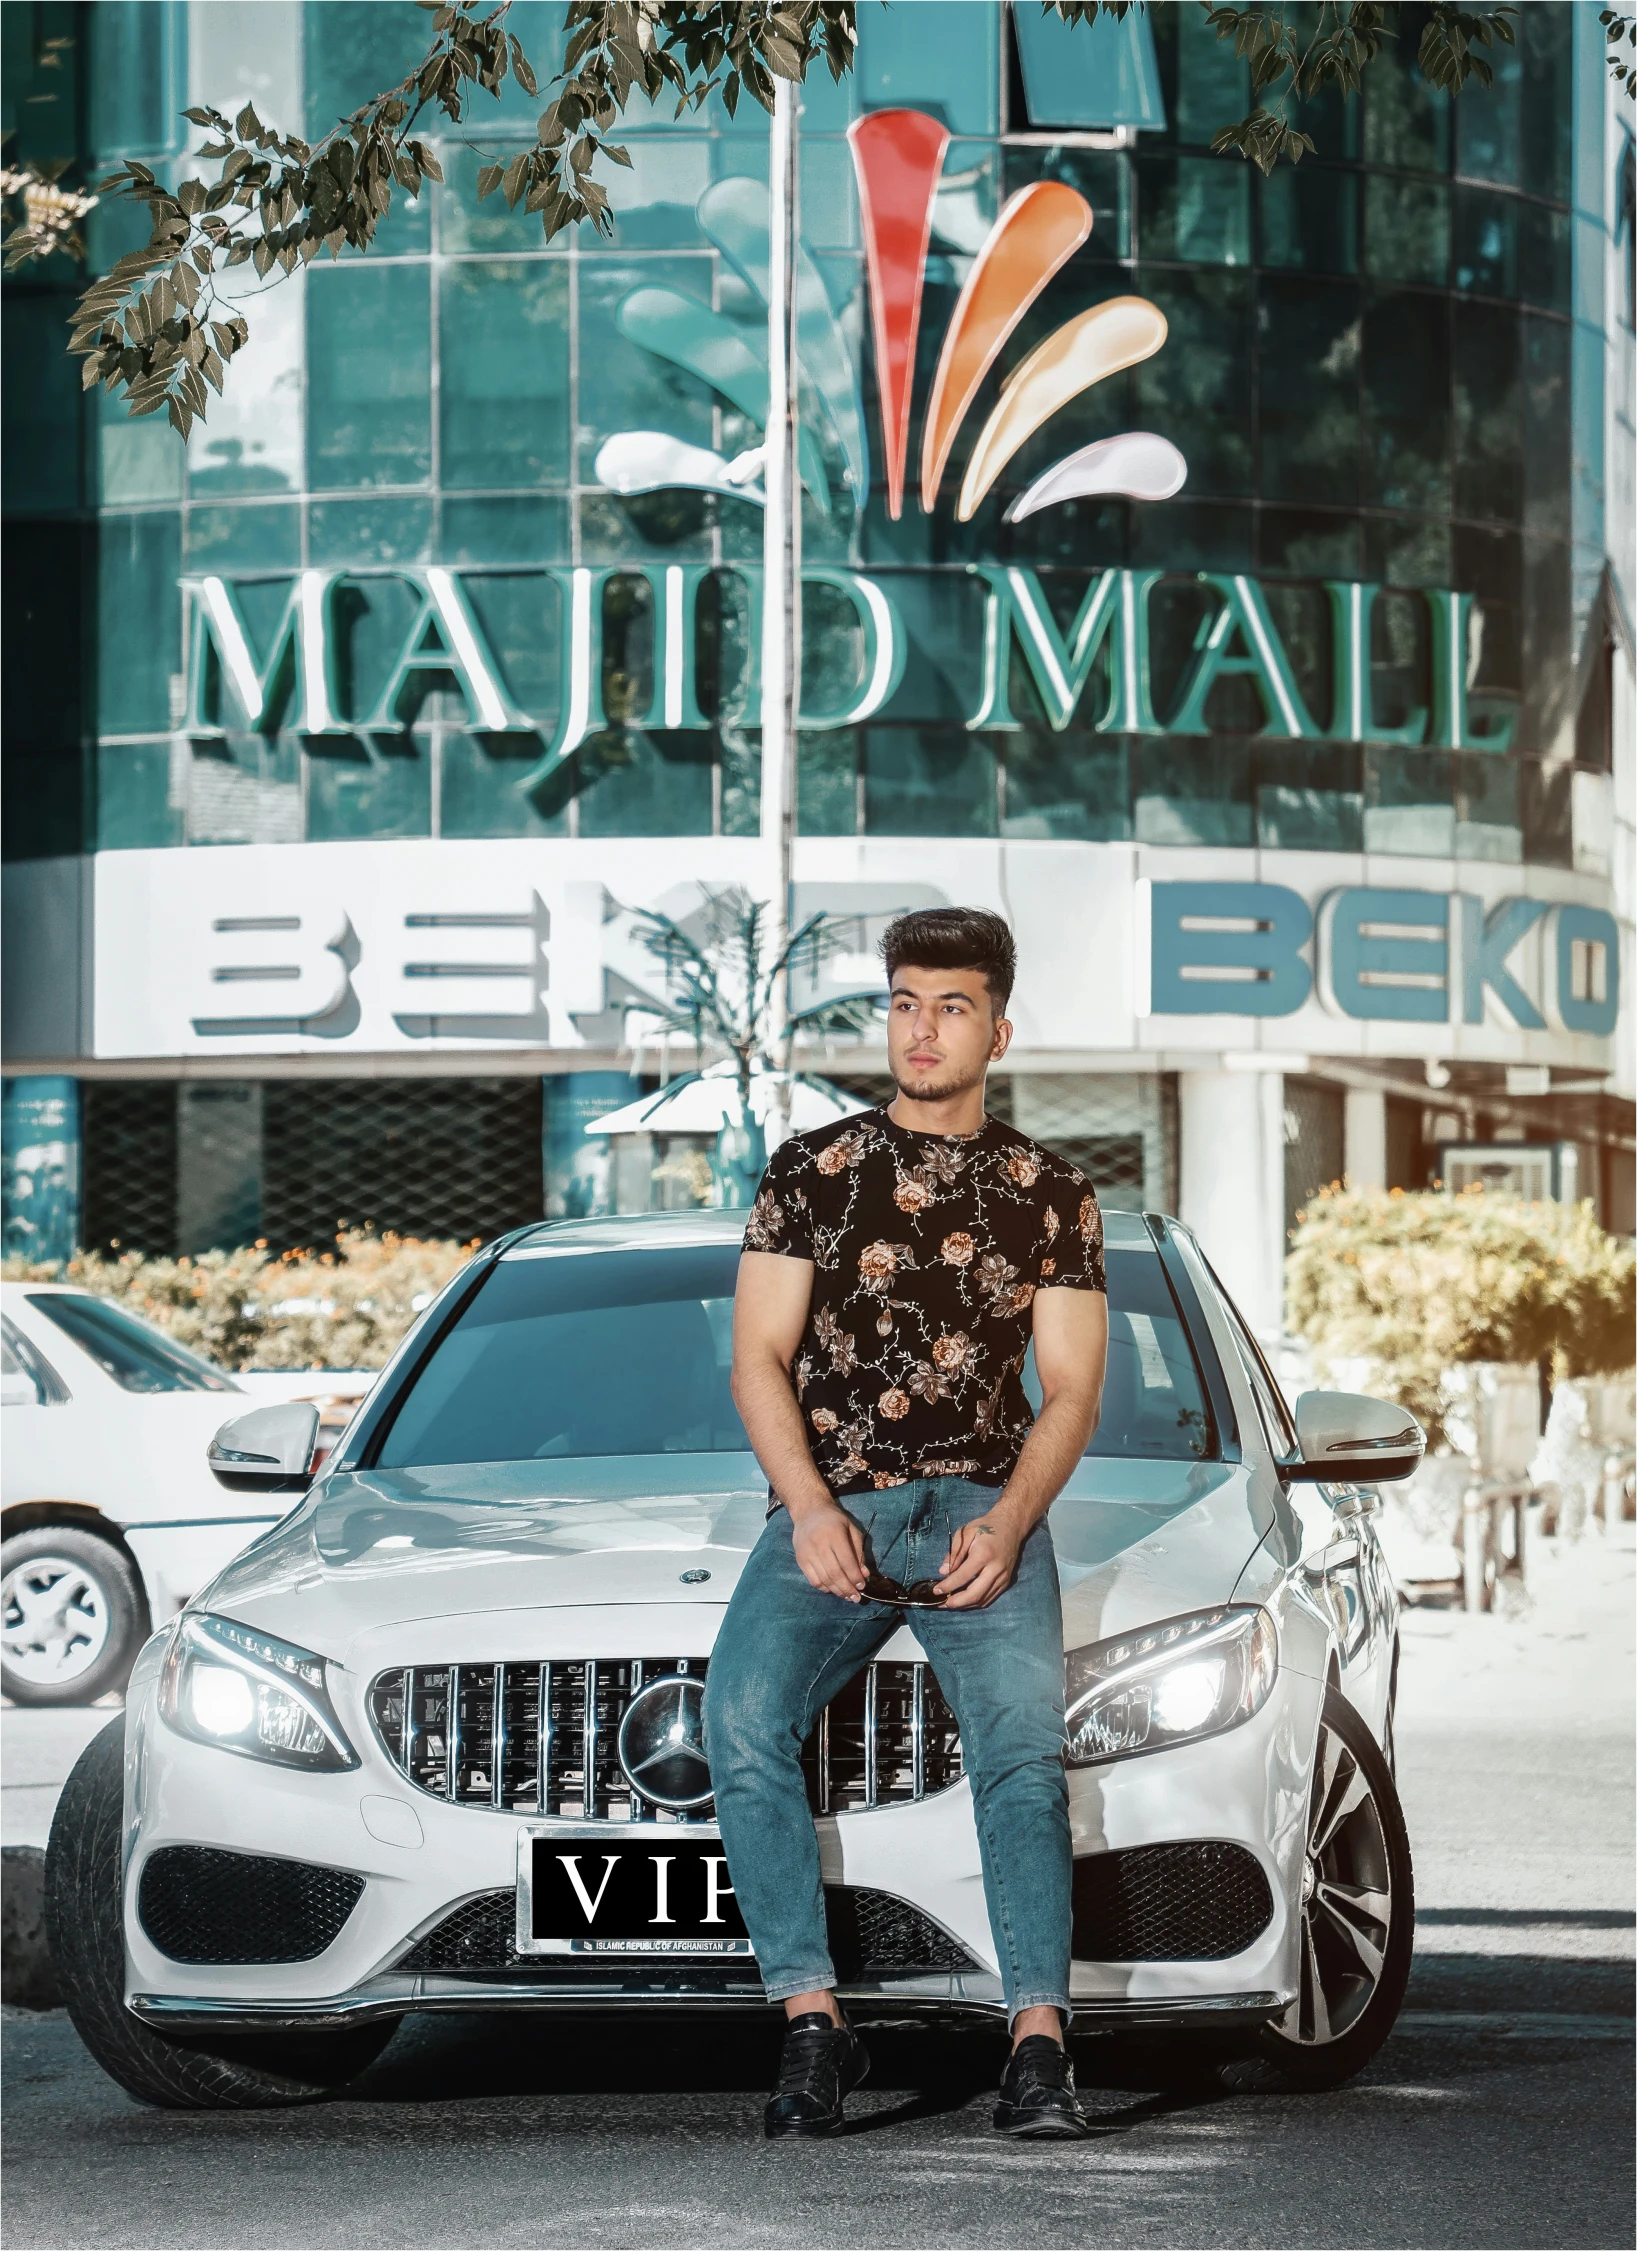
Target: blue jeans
[{"x": 786, "y": 1648}]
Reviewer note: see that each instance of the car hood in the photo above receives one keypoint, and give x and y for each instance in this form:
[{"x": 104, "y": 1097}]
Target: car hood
[{"x": 375, "y": 1549}]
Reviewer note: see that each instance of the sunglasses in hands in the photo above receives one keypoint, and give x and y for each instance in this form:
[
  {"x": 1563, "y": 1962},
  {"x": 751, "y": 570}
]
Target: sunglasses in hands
[{"x": 921, "y": 1594}]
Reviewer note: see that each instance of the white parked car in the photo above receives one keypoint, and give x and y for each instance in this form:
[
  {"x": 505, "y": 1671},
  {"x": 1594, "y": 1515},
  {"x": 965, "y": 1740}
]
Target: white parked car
[
  {"x": 111, "y": 1518},
  {"x": 434, "y": 1742}
]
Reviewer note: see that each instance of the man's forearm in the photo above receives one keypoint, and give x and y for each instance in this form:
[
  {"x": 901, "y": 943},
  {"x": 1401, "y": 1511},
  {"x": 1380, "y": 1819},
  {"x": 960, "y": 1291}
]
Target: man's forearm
[
  {"x": 1061, "y": 1432},
  {"x": 771, "y": 1413}
]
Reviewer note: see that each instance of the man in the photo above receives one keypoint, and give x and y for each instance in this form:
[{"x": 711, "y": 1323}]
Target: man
[{"x": 895, "y": 1268}]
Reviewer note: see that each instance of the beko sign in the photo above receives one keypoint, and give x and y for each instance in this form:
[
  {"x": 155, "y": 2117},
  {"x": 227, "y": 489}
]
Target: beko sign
[
  {"x": 1376, "y": 955},
  {"x": 512, "y": 944}
]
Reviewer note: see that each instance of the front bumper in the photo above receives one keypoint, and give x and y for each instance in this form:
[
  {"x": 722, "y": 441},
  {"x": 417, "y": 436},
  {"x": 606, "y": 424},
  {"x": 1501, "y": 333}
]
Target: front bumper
[{"x": 1247, "y": 1787}]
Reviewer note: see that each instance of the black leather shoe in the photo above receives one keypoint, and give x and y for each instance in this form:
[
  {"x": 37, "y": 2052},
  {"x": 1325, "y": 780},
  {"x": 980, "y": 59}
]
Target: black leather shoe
[
  {"x": 1037, "y": 2093},
  {"x": 821, "y": 2065}
]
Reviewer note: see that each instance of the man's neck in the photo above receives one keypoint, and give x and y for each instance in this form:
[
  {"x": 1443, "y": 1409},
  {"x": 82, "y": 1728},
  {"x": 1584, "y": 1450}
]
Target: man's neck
[{"x": 957, "y": 1114}]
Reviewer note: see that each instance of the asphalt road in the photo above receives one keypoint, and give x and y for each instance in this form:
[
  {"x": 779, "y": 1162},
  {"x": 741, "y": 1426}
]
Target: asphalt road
[{"x": 1500, "y": 2113}]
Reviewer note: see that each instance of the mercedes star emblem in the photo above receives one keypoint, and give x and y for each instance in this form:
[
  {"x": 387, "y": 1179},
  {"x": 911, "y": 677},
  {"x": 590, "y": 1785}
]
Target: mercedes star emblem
[{"x": 662, "y": 1743}]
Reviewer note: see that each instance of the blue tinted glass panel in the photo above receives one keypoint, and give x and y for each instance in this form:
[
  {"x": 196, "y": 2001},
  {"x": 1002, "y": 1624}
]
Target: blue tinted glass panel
[
  {"x": 1067, "y": 785},
  {"x": 635, "y": 389},
  {"x": 1101, "y": 73},
  {"x": 1309, "y": 397},
  {"x": 244, "y": 539},
  {"x": 928, "y": 781},
  {"x": 369, "y": 375},
  {"x": 139, "y": 621},
  {"x": 1409, "y": 802},
  {"x": 1310, "y": 220},
  {"x": 503, "y": 372},
  {"x": 134, "y": 70},
  {"x": 1195, "y": 209},
  {"x": 1192, "y": 793},
  {"x": 637, "y": 784},
  {"x": 44, "y": 419},
  {"x": 1406, "y": 229},
  {"x": 505, "y": 531},
  {"x": 377, "y": 787},
  {"x": 1406, "y": 401},
  {"x": 367, "y": 530},
  {"x": 1197, "y": 391},
  {"x": 827, "y": 784},
  {"x": 135, "y": 806},
  {"x": 940, "y": 56},
  {"x": 480, "y": 792}
]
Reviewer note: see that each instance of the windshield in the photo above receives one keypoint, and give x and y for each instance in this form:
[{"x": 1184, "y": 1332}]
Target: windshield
[
  {"x": 137, "y": 1357},
  {"x": 630, "y": 1352}
]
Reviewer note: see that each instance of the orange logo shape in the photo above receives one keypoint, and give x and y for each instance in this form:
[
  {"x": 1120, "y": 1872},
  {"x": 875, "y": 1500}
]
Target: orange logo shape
[{"x": 898, "y": 157}]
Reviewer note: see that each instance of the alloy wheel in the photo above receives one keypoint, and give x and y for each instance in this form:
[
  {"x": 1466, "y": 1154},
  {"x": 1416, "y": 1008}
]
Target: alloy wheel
[
  {"x": 1347, "y": 1899},
  {"x": 56, "y": 1620}
]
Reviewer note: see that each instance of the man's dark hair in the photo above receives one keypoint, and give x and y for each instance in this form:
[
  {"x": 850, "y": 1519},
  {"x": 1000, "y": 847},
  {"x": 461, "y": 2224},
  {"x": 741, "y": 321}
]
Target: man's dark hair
[{"x": 954, "y": 938}]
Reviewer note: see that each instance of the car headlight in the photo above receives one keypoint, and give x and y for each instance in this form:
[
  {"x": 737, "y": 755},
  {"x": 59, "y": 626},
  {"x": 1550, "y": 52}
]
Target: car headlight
[
  {"x": 1169, "y": 1683},
  {"x": 227, "y": 1685}
]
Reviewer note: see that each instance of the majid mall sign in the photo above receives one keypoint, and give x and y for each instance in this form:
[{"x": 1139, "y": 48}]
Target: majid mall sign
[
  {"x": 1398, "y": 957},
  {"x": 898, "y": 157}
]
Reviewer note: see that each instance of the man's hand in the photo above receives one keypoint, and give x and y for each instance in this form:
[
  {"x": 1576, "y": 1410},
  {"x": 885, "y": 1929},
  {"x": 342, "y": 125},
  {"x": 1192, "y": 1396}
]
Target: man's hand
[
  {"x": 830, "y": 1550},
  {"x": 981, "y": 1563}
]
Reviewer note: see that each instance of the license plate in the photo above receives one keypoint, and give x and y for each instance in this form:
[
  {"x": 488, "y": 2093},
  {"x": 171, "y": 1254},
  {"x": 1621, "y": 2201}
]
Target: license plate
[{"x": 653, "y": 1893}]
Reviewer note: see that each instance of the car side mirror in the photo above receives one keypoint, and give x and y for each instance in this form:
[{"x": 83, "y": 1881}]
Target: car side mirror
[
  {"x": 1345, "y": 1435},
  {"x": 269, "y": 1450}
]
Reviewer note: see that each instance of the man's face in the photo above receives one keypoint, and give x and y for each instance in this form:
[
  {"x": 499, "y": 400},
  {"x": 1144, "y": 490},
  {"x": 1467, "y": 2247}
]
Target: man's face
[{"x": 942, "y": 1032}]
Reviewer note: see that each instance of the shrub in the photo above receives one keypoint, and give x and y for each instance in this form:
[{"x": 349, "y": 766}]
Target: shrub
[
  {"x": 1416, "y": 1284},
  {"x": 346, "y": 1308}
]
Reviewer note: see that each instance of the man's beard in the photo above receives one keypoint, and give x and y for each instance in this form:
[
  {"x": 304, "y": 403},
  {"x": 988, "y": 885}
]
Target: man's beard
[{"x": 943, "y": 1087}]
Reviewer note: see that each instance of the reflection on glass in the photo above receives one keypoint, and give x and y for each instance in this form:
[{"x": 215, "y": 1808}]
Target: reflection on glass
[
  {"x": 245, "y": 789},
  {"x": 928, "y": 781},
  {"x": 827, "y": 784},
  {"x": 1310, "y": 335},
  {"x": 1102, "y": 176},
  {"x": 369, "y": 786},
  {"x": 1197, "y": 392},
  {"x": 1488, "y": 413},
  {"x": 1488, "y": 809},
  {"x": 369, "y": 375},
  {"x": 244, "y": 538},
  {"x": 136, "y": 807},
  {"x": 340, "y": 532},
  {"x": 134, "y": 64},
  {"x": 1309, "y": 220},
  {"x": 138, "y": 620},
  {"x": 942, "y": 57},
  {"x": 503, "y": 328},
  {"x": 1308, "y": 798},
  {"x": 1408, "y": 802},
  {"x": 1073, "y": 786},
  {"x": 1406, "y": 229},
  {"x": 478, "y": 792},
  {"x": 1193, "y": 208},
  {"x": 1406, "y": 391},
  {"x": 633, "y": 783},
  {"x": 505, "y": 531},
  {"x": 1192, "y": 793}
]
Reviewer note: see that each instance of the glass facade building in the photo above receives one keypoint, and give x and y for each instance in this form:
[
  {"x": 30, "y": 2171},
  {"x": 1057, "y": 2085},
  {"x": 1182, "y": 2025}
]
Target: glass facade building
[{"x": 1399, "y": 375}]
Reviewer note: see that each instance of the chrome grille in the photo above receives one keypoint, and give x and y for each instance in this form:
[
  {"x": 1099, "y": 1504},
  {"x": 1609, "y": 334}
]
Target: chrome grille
[{"x": 539, "y": 1738}]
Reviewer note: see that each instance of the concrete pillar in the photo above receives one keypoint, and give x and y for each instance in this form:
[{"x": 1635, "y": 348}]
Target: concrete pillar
[
  {"x": 1364, "y": 1138},
  {"x": 1232, "y": 1129}
]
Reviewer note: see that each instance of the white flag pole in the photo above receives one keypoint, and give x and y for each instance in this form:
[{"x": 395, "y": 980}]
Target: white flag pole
[{"x": 781, "y": 569}]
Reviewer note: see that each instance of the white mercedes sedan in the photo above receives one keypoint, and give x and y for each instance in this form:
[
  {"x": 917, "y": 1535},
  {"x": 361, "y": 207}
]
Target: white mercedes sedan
[{"x": 433, "y": 1743}]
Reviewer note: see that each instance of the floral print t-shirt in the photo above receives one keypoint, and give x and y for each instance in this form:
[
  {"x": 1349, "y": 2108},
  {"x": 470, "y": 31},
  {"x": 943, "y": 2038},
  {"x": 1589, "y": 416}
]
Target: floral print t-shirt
[{"x": 928, "y": 1250}]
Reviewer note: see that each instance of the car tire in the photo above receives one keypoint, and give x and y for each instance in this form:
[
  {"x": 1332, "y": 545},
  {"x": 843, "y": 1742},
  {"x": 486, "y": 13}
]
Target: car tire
[
  {"x": 1353, "y": 1971},
  {"x": 117, "y": 1611},
  {"x": 85, "y": 1931}
]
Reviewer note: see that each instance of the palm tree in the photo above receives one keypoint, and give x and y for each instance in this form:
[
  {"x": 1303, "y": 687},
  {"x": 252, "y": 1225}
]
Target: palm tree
[{"x": 722, "y": 983}]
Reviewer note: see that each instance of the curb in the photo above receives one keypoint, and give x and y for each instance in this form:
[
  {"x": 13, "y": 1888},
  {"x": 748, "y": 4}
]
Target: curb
[{"x": 28, "y": 1978}]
